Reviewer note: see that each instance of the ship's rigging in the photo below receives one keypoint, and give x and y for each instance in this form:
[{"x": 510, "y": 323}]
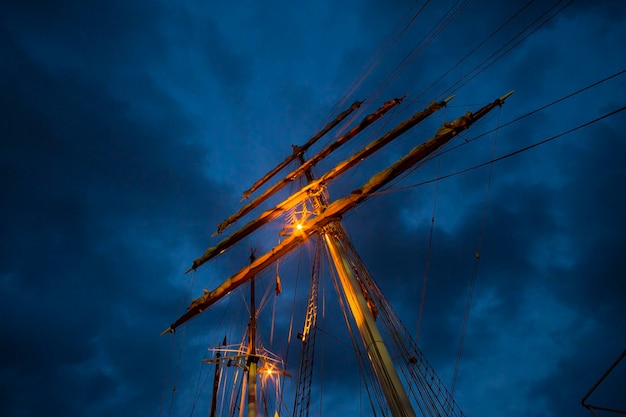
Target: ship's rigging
[
  {"x": 309, "y": 212},
  {"x": 403, "y": 381},
  {"x": 409, "y": 386}
]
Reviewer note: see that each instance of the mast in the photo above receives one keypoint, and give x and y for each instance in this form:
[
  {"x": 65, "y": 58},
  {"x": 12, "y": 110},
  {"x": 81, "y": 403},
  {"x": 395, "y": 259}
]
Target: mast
[
  {"x": 327, "y": 223},
  {"x": 332, "y": 212},
  {"x": 314, "y": 186},
  {"x": 395, "y": 394},
  {"x": 216, "y": 380},
  {"x": 252, "y": 357}
]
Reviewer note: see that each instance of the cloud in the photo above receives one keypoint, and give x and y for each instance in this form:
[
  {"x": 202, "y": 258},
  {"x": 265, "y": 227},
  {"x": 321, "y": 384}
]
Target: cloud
[
  {"x": 128, "y": 129},
  {"x": 97, "y": 203}
]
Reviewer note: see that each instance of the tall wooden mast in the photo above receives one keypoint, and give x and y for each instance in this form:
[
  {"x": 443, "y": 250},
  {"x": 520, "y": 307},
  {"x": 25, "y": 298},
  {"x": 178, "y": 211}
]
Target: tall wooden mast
[
  {"x": 252, "y": 357},
  {"x": 385, "y": 371}
]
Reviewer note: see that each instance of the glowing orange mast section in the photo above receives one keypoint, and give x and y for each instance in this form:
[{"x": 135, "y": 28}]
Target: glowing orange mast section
[
  {"x": 367, "y": 121},
  {"x": 314, "y": 187}
]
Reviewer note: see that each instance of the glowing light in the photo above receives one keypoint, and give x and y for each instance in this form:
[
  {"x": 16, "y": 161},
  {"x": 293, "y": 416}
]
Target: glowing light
[{"x": 299, "y": 226}]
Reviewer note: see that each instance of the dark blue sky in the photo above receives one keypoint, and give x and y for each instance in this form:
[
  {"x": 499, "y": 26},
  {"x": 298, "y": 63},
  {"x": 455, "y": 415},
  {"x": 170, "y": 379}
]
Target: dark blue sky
[{"x": 131, "y": 128}]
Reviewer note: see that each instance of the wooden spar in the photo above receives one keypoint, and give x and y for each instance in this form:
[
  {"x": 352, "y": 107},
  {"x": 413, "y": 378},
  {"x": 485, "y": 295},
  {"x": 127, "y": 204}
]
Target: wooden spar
[
  {"x": 367, "y": 121},
  {"x": 335, "y": 210},
  {"x": 315, "y": 186},
  {"x": 299, "y": 150},
  {"x": 386, "y": 374},
  {"x": 210, "y": 297}
]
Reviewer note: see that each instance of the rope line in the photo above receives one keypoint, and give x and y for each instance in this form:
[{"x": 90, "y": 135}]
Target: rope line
[
  {"x": 527, "y": 148},
  {"x": 546, "y": 106},
  {"x": 382, "y": 51},
  {"x": 436, "y": 30},
  {"x": 165, "y": 379},
  {"x": 470, "y": 53},
  {"x": 501, "y": 52},
  {"x": 467, "y": 141},
  {"x": 476, "y": 261},
  {"x": 430, "y": 242},
  {"x": 387, "y": 44}
]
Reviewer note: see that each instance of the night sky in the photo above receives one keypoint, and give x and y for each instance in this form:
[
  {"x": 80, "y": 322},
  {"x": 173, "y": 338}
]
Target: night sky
[{"x": 131, "y": 128}]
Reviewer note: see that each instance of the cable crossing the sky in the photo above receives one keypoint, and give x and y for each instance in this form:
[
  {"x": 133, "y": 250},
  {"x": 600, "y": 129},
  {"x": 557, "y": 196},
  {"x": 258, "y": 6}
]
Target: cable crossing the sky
[{"x": 534, "y": 145}]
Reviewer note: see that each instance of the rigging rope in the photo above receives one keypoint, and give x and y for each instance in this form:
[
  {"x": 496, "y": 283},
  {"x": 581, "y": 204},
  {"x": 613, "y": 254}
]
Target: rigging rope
[
  {"x": 186, "y": 294},
  {"x": 199, "y": 387},
  {"x": 180, "y": 354},
  {"x": 362, "y": 358},
  {"x": 426, "y": 388},
  {"x": 595, "y": 84},
  {"x": 165, "y": 381},
  {"x": 498, "y": 54},
  {"x": 430, "y": 242},
  {"x": 380, "y": 53},
  {"x": 436, "y": 30},
  {"x": 492, "y": 161},
  {"x": 502, "y": 26},
  {"x": 467, "y": 141},
  {"x": 266, "y": 295},
  {"x": 443, "y": 22},
  {"x": 476, "y": 261},
  {"x": 323, "y": 352},
  {"x": 367, "y": 69},
  {"x": 534, "y": 145}
]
